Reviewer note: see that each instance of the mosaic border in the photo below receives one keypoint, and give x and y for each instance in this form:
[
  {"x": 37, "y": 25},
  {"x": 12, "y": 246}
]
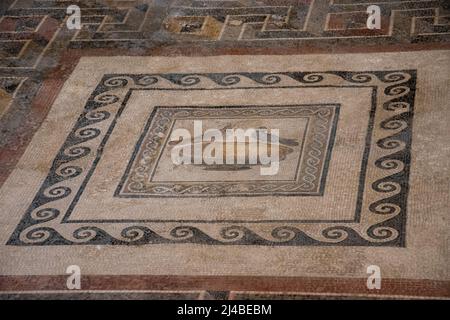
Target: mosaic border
[{"x": 397, "y": 89}]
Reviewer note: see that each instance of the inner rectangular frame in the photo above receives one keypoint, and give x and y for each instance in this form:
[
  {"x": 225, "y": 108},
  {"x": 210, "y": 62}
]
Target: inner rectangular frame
[
  {"x": 361, "y": 182},
  {"x": 323, "y": 169}
]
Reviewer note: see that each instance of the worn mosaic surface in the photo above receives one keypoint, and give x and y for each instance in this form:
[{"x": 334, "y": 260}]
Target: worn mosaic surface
[{"x": 346, "y": 187}]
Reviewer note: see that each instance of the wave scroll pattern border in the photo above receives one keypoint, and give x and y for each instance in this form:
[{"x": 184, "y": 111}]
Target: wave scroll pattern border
[{"x": 41, "y": 224}]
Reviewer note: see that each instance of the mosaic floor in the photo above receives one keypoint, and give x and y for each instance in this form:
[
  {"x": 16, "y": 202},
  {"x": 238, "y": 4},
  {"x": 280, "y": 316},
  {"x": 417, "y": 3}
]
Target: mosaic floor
[{"x": 87, "y": 177}]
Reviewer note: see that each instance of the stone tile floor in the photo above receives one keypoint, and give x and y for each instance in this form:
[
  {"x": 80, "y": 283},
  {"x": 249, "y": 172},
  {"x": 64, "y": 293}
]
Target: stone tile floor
[{"x": 38, "y": 54}]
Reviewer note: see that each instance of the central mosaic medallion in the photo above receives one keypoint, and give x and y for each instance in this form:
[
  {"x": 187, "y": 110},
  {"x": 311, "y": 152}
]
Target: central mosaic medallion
[{"x": 305, "y": 142}]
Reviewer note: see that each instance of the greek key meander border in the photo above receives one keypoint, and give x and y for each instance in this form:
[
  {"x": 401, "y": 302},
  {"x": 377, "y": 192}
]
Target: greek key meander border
[
  {"x": 325, "y": 115},
  {"x": 395, "y": 91}
]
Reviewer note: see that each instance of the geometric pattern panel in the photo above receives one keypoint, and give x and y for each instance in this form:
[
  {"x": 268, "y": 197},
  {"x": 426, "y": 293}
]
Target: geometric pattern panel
[
  {"x": 291, "y": 20},
  {"x": 65, "y": 211}
]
